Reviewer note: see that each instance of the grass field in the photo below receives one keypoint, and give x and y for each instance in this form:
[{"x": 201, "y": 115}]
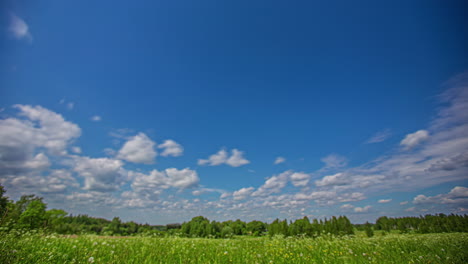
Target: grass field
[{"x": 27, "y": 247}]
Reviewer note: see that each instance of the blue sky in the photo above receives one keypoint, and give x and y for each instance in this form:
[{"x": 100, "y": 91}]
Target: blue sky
[{"x": 161, "y": 111}]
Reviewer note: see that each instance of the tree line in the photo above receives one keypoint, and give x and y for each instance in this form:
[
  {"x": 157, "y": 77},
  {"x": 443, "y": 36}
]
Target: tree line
[
  {"x": 30, "y": 212},
  {"x": 202, "y": 227},
  {"x": 439, "y": 223}
]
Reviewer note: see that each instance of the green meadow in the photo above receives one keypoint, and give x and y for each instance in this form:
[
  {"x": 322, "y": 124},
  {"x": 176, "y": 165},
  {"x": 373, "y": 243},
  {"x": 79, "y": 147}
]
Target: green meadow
[{"x": 37, "y": 247}]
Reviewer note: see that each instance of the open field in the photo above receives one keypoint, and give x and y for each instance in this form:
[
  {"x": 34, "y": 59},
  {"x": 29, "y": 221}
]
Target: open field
[{"x": 28, "y": 247}]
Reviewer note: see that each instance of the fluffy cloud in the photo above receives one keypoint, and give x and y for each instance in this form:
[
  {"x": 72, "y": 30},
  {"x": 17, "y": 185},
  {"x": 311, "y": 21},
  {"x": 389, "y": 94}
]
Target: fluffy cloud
[
  {"x": 100, "y": 174},
  {"x": 336, "y": 179},
  {"x": 273, "y": 184},
  {"x": 442, "y": 158},
  {"x": 414, "y": 139},
  {"x": 216, "y": 159},
  {"x": 76, "y": 150},
  {"x": 22, "y": 141},
  {"x": 171, "y": 148},
  {"x": 347, "y": 206},
  {"x": 276, "y": 183},
  {"x": 182, "y": 179},
  {"x": 384, "y": 200},
  {"x": 221, "y": 157},
  {"x": 55, "y": 183},
  {"x": 300, "y": 179},
  {"x": 11, "y": 164},
  {"x": 158, "y": 180},
  {"x": 330, "y": 197},
  {"x": 48, "y": 129},
  {"x": 146, "y": 188},
  {"x": 224, "y": 195},
  {"x": 279, "y": 160},
  {"x": 318, "y": 196},
  {"x": 458, "y": 192},
  {"x": 351, "y": 197},
  {"x": 364, "y": 209},
  {"x": 450, "y": 163},
  {"x": 242, "y": 193},
  {"x": 458, "y": 195},
  {"x": 236, "y": 159},
  {"x": 138, "y": 149},
  {"x": 18, "y": 28}
]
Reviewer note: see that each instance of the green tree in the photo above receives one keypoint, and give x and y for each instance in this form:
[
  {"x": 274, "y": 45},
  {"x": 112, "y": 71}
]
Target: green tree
[
  {"x": 227, "y": 232},
  {"x": 3, "y": 204},
  {"x": 256, "y": 228},
  {"x": 55, "y": 219},
  {"x": 34, "y": 215},
  {"x": 114, "y": 226},
  {"x": 368, "y": 229}
]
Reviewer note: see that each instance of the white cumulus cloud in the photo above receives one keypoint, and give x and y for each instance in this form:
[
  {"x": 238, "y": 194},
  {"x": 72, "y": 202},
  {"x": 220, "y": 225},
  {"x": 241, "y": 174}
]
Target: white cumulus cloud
[
  {"x": 171, "y": 148},
  {"x": 279, "y": 160},
  {"x": 76, "y": 150},
  {"x": 100, "y": 174},
  {"x": 273, "y": 184},
  {"x": 242, "y": 193},
  {"x": 364, "y": 209},
  {"x": 300, "y": 179},
  {"x": 414, "y": 139},
  {"x": 347, "y": 206},
  {"x": 458, "y": 195},
  {"x": 336, "y": 179},
  {"x": 138, "y": 149},
  {"x": 24, "y": 140},
  {"x": 221, "y": 157},
  {"x": 151, "y": 185}
]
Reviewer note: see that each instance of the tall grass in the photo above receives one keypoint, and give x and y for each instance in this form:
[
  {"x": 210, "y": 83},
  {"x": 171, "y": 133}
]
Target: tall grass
[{"x": 31, "y": 247}]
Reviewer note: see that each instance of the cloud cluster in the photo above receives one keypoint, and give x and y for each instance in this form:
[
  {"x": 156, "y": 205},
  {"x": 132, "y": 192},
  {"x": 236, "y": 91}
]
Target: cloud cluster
[
  {"x": 243, "y": 193},
  {"x": 222, "y": 157},
  {"x": 364, "y": 209},
  {"x": 38, "y": 154},
  {"x": 458, "y": 195},
  {"x": 146, "y": 188},
  {"x": 100, "y": 174},
  {"x": 25, "y": 143}
]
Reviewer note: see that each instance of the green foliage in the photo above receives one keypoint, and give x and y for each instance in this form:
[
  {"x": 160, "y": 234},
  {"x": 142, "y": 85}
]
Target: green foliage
[
  {"x": 368, "y": 229},
  {"x": 3, "y": 203},
  {"x": 256, "y": 228}
]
